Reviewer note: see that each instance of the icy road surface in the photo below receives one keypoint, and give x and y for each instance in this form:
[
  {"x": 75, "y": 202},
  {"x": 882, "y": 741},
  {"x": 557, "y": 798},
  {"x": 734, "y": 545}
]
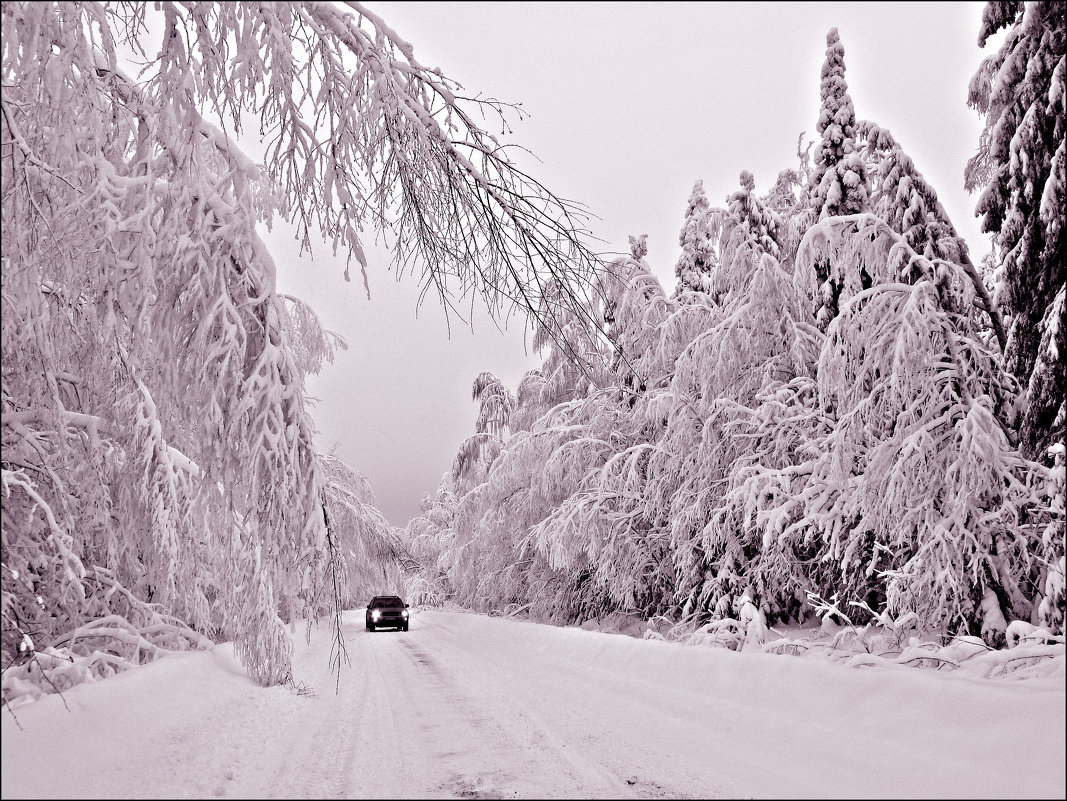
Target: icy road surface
[{"x": 467, "y": 706}]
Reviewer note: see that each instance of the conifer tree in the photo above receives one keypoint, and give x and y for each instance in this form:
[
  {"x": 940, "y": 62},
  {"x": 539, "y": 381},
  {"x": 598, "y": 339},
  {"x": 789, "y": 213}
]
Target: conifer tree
[
  {"x": 902, "y": 197},
  {"x": 761, "y": 224},
  {"x": 839, "y": 175},
  {"x": 697, "y": 258},
  {"x": 1019, "y": 168},
  {"x": 740, "y": 453}
]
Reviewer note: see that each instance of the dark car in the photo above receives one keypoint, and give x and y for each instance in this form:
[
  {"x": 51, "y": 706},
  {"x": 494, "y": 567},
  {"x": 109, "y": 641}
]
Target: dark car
[{"x": 387, "y": 611}]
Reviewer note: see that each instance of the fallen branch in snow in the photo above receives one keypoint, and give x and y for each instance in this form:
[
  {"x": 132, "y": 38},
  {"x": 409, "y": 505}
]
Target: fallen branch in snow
[
  {"x": 302, "y": 689},
  {"x": 795, "y": 647},
  {"x": 34, "y": 658},
  {"x": 511, "y": 610}
]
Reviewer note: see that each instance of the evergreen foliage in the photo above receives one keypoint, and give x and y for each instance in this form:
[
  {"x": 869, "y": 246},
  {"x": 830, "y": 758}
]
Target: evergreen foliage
[
  {"x": 1019, "y": 169},
  {"x": 840, "y": 175},
  {"x": 697, "y": 258}
]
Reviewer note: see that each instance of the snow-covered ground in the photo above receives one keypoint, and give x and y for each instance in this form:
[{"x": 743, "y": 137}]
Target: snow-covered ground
[{"x": 470, "y": 706}]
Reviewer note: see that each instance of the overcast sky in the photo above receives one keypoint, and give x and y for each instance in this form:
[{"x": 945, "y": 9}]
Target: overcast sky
[{"x": 628, "y": 105}]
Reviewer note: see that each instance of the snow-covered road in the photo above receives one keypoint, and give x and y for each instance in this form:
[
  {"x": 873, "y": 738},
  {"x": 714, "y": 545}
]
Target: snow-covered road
[
  {"x": 467, "y": 706},
  {"x": 453, "y": 708}
]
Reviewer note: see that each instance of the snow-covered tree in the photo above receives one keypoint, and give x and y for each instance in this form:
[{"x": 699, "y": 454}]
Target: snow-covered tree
[
  {"x": 742, "y": 455},
  {"x": 1053, "y": 607},
  {"x": 476, "y": 454},
  {"x": 839, "y": 174},
  {"x": 633, "y": 305},
  {"x": 1019, "y": 169},
  {"x": 430, "y": 542},
  {"x": 157, "y": 459},
  {"x": 575, "y": 361},
  {"x": 528, "y": 400},
  {"x": 789, "y": 195},
  {"x": 495, "y": 404},
  {"x": 903, "y": 198},
  {"x": 760, "y": 335},
  {"x": 365, "y": 544},
  {"x": 762, "y": 224},
  {"x": 909, "y": 385},
  {"x": 697, "y": 257},
  {"x": 597, "y": 467}
]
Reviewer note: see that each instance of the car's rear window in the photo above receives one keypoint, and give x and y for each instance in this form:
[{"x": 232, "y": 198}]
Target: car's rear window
[{"x": 387, "y": 602}]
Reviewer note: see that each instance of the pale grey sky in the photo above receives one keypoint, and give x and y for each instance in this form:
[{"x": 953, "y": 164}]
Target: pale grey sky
[{"x": 629, "y": 104}]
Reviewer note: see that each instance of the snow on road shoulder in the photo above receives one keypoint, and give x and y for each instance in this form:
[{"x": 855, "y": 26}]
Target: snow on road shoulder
[{"x": 137, "y": 733}]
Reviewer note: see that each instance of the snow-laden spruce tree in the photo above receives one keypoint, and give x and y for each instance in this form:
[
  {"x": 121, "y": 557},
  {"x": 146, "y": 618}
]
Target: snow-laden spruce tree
[
  {"x": 901, "y": 196},
  {"x": 762, "y": 224},
  {"x": 891, "y": 479},
  {"x": 839, "y": 174},
  {"x": 915, "y": 490},
  {"x": 1020, "y": 171},
  {"x": 762, "y": 338},
  {"x": 698, "y": 257},
  {"x": 157, "y": 462}
]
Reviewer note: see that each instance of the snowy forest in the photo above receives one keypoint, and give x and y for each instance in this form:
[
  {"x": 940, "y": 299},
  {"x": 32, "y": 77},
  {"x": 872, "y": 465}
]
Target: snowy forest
[{"x": 834, "y": 412}]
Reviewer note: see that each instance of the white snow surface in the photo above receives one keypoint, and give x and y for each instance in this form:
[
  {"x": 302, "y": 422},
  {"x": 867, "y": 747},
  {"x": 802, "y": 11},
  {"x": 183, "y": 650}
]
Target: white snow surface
[{"x": 471, "y": 706}]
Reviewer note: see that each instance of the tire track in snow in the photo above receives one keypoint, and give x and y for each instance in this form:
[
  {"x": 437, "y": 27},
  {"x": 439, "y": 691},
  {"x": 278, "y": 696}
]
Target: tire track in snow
[
  {"x": 549, "y": 719},
  {"x": 476, "y": 738},
  {"x": 428, "y": 714}
]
